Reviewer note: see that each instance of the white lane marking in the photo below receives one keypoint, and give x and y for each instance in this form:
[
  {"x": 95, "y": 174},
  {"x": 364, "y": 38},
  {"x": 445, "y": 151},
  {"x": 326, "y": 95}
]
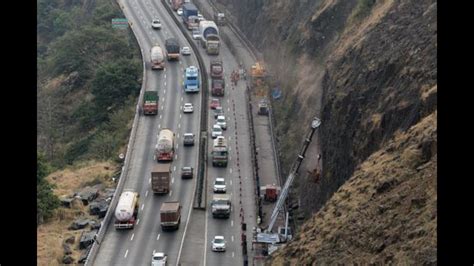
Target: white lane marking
[
  {"x": 230, "y": 170},
  {"x": 181, "y": 98},
  {"x": 165, "y": 86},
  {"x": 179, "y": 125},
  {"x": 146, "y": 193},
  {"x": 180, "y": 62},
  {"x": 231, "y": 182},
  {"x": 230, "y": 157},
  {"x": 165, "y": 77},
  {"x": 232, "y": 223},
  {"x": 176, "y": 157},
  {"x": 177, "y": 136},
  {"x": 228, "y": 100},
  {"x": 149, "y": 180},
  {"x": 164, "y": 92},
  {"x": 177, "y": 146},
  {"x": 230, "y": 148},
  {"x": 230, "y": 137},
  {"x": 154, "y": 251},
  {"x": 171, "y": 192},
  {"x": 138, "y": 221},
  {"x": 172, "y": 180},
  {"x": 232, "y": 238},
  {"x": 162, "y": 107},
  {"x": 180, "y": 115},
  {"x": 132, "y": 237},
  {"x": 174, "y": 168},
  {"x": 159, "y": 125},
  {"x": 158, "y": 237},
  {"x": 233, "y": 254},
  {"x": 143, "y": 205},
  {"x": 126, "y": 253},
  {"x": 228, "y": 109},
  {"x": 160, "y": 116}
]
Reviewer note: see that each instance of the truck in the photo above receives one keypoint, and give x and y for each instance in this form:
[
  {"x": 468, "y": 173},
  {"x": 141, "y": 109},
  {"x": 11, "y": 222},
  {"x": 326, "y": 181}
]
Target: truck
[
  {"x": 209, "y": 36},
  {"x": 175, "y": 4},
  {"x": 127, "y": 210},
  {"x": 191, "y": 79},
  {"x": 172, "y": 49},
  {"x": 217, "y": 87},
  {"x": 157, "y": 58},
  {"x": 219, "y": 18},
  {"x": 160, "y": 178},
  {"x": 221, "y": 206},
  {"x": 189, "y": 9},
  {"x": 220, "y": 152},
  {"x": 164, "y": 149},
  {"x": 216, "y": 69},
  {"x": 170, "y": 215},
  {"x": 150, "y": 103}
]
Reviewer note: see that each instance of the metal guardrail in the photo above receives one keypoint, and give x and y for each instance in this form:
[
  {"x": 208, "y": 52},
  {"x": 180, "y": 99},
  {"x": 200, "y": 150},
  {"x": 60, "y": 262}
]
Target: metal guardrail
[
  {"x": 201, "y": 191},
  {"x": 123, "y": 175}
]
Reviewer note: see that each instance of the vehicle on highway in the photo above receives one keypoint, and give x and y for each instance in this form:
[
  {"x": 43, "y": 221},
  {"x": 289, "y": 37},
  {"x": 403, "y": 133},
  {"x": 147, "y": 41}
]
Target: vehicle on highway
[
  {"x": 188, "y": 139},
  {"x": 156, "y": 24},
  {"x": 160, "y": 178},
  {"x": 220, "y": 152},
  {"x": 188, "y": 108},
  {"x": 196, "y": 34},
  {"x": 216, "y": 131},
  {"x": 187, "y": 172},
  {"x": 126, "y": 211},
  {"x": 219, "y": 185},
  {"x": 200, "y": 17},
  {"x": 209, "y": 36},
  {"x": 159, "y": 259},
  {"x": 175, "y": 4},
  {"x": 170, "y": 215},
  {"x": 218, "y": 243},
  {"x": 150, "y": 103},
  {"x": 157, "y": 57},
  {"x": 215, "y": 103},
  {"x": 164, "y": 149},
  {"x": 218, "y": 111},
  {"x": 221, "y": 206},
  {"x": 217, "y": 87},
  {"x": 189, "y": 15},
  {"x": 191, "y": 79},
  {"x": 186, "y": 50},
  {"x": 216, "y": 69},
  {"x": 180, "y": 11},
  {"x": 172, "y": 49},
  {"x": 221, "y": 122}
]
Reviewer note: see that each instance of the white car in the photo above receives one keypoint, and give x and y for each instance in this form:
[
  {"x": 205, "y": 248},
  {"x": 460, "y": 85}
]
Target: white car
[
  {"x": 158, "y": 259},
  {"x": 218, "y": 243},
  {"x": 156, "y": 24},
  {"x": 179, "y": 11},
  {"x": 216, "y": 131},
  {"x": 196, "y": 34},
  {"x": 200, "y": 17},
  {"x": 219, "y": 185},
  {"x": 221, "y": 122},
  {"x": 188, "y": 108},
  {"x": 185, "y": 50}
]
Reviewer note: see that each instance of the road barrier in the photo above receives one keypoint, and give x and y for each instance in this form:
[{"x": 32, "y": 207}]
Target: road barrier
[
  {"x": 123, "y": 175},
  {"x": 200, "y": 195}
]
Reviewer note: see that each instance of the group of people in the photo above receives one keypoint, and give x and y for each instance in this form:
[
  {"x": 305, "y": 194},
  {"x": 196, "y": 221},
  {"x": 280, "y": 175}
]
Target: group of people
[{"x": 236, "y": 75}]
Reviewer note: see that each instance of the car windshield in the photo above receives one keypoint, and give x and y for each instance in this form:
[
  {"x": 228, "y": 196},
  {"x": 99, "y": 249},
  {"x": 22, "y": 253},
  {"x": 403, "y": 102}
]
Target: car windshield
[
  {"x": 219, "y": 182},
  {"x": 187, "y": 169},
  {"x": 217, "y": 129},
  {"x": 218, "y": 240},
  {"x": 220, "y": 120},
  {"x": 157, "y": 257}
]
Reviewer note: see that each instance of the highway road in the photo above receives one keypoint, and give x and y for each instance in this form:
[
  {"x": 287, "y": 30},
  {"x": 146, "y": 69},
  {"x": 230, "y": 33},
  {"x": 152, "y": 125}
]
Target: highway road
[{"x": 190, "y": 244}]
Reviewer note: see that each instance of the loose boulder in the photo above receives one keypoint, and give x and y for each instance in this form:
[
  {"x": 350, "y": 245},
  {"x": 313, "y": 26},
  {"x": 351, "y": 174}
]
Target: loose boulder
[
  {"x": 98, "y": 207},
  {"x": 70, "y": 240},
  {"x": 88, "y": 194},
  {"x": 67, "y": 249},
  {"x": 67, "y": 259},
  {"x": 87, "y": 238},
  {"x": 79, "y": 224},
  {"x": 83, "y": 257}
]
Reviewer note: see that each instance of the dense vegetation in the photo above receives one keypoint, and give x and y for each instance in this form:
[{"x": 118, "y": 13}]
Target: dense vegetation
[
  {"x": 88, "y": 83},
  {"x": 88, "y": 80}
]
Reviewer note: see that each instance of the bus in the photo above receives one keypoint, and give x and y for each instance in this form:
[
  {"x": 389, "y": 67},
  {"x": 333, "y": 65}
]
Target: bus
[{"x": 191, "y": 79}]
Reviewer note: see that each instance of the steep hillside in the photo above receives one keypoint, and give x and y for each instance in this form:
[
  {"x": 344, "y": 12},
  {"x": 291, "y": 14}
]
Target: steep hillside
[{"x": 385, "y": 213}]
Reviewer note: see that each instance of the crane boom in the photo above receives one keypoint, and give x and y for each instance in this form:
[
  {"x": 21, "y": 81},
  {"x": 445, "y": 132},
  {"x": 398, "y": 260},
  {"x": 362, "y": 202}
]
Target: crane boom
[{"x": 294, "y": 170}]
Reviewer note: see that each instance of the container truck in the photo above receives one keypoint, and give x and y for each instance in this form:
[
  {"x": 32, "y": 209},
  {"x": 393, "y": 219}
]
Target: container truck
[
  {"x": 189, "y": 9},
  {"x": 175, "y": 4},
  {"x": 170, "y": 215},
  {"x": 191, "y": 79},
  {"x": 172, "y": 49},
  {"x": 127, "y": 210},
  {"x": 150, "y": 103},
  {"x": 217, "y": 87},
  {"x": 216, "y": 69},
  {"x": 219, "y": 152},
  {"x": 160, "y": 178},
  {"x": 157, "y": 58},
  {"x": 164, "y": 149},
  {"x": 221, "y": 206},
  {"x": 209, "y": 36}
]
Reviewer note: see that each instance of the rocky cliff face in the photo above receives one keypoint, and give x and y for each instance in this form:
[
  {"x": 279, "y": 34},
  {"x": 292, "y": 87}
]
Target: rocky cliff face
[{"x": 367, "y": 68}]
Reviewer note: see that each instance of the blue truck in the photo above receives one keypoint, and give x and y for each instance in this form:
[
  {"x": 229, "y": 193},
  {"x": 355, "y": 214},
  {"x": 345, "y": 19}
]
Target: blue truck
[
  {"x": 190, "y": 15},
  {"x": 191, "y": 79}
]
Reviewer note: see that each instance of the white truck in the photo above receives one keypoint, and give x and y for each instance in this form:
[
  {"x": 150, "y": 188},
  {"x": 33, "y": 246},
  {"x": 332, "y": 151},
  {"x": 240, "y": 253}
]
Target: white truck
[
  {"x": 221, "y": 206},
  {"x": 220, "y": 152},
  {"x": 209, "y": 34},
  {"x": 127, "y": 210},
  {"x": 157, "y": 57},
  {"x": 164, "y": 149}
]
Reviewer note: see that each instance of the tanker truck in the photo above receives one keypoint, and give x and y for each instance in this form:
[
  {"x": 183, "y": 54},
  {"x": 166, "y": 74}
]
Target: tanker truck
[
  {"x": 157, "y": 58},
  {"x": 164, "y": 149},
  {"x": 209, "y": 36},
  {"x": 220, "y": 152},
  {"x": 127, "y": 210}
]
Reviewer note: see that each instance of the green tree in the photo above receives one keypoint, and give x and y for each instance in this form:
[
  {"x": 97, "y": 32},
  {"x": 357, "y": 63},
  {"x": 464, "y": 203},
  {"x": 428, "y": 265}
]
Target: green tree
[{"x": 46, "y": 201}]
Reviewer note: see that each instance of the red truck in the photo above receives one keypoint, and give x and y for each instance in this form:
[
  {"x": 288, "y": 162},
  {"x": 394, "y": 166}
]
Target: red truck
[
  {"x": 217, "y": 87},
  {"x": 217, "y": 69},
  {"x": 150, "y": 103}
]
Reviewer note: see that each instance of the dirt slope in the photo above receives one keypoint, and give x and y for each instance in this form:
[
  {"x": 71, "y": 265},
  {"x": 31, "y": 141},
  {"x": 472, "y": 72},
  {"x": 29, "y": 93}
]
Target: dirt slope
[{"x": 385, "y": 213}]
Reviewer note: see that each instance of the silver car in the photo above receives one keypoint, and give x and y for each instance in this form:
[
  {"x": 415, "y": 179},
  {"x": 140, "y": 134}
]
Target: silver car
[
  {"x": 219, "y": 185},
  {"x": 218, "y": 243},
  {"x": 221, "y": 122},
  {"x": 158, "y": 259}
]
